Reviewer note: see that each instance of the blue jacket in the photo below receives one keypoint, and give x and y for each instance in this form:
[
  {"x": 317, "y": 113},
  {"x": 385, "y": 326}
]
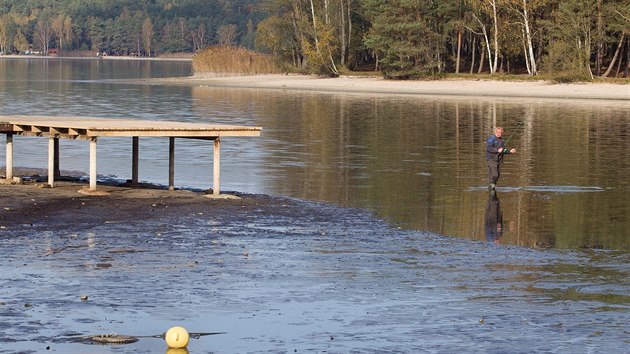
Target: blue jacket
[{"x": 492, "y": 146}]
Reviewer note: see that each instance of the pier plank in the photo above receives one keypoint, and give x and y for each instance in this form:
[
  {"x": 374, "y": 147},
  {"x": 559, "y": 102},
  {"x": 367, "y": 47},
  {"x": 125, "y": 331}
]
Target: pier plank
[{"x": 90, "y": 126}]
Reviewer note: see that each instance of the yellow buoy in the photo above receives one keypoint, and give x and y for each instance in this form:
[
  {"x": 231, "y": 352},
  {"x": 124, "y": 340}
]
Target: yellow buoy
[{"x": 177, "y": 337}]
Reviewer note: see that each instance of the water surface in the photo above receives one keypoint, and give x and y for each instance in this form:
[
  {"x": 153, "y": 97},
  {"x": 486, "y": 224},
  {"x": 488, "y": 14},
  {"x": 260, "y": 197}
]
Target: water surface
[
  {"x": 416, "y": 160},
  {"x": 292, "y": 275}
]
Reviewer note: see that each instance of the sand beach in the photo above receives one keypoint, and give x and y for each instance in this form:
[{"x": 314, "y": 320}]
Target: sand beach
[{"x": 451, "y": 87}]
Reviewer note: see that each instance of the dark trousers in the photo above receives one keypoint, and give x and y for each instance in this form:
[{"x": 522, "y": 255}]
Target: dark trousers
[{"x": 494, "y": 171}]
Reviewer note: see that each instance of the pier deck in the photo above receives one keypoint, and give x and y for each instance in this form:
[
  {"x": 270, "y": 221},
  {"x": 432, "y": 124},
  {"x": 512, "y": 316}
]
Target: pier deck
[{"x": 91, "y": 129}]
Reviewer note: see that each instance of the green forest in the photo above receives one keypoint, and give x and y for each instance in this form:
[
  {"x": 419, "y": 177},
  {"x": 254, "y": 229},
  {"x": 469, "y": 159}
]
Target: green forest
[
  {"x": 580, "y": 39},
  {"x": 415, "y": 38},
  {"x": 126, "y": 27}
]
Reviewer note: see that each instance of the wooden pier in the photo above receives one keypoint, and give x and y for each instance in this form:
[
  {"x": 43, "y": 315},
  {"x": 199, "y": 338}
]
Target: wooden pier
[{"x": 91, "y": 129}]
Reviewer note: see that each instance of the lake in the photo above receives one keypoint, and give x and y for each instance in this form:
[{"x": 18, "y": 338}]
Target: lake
[
  {"x": 416, "y": 161},
  {"x": 366, "y": 224}
]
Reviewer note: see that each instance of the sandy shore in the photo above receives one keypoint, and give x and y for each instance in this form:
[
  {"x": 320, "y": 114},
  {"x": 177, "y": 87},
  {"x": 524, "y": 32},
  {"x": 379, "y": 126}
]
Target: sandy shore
[{"x": 379, "y": 85}]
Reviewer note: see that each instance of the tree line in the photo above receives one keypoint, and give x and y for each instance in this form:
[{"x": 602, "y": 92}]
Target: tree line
[
  {"x": 126, "y": 27},
  {"x": 413, "y": 38},
  {"x": 402, "y": 38}
]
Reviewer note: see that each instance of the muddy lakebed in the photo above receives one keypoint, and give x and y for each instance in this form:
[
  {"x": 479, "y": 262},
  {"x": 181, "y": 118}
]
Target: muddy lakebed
[{"x": 285, "y": 275}]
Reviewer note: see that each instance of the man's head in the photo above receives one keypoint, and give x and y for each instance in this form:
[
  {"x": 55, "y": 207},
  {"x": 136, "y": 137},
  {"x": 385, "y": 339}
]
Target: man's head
[{"x": 498, "y": 131}]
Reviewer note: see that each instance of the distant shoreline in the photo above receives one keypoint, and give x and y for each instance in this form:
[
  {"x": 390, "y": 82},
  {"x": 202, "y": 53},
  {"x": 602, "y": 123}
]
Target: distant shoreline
[
  {"x": 107, "y": 57},
  {"x": 379, "y": 85}
]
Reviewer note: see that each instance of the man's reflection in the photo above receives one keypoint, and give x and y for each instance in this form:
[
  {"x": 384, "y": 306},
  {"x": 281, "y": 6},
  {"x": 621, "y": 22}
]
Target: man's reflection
[{"x": 494, "y": 218}]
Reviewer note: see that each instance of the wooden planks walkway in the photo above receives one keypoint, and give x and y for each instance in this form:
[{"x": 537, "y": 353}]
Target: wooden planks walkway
[{"x": 91, "y": 129}]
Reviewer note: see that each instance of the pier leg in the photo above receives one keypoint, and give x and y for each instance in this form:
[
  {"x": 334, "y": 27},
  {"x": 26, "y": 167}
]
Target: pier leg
[
  {"x": 56, "y": 169},
  {"x": 217, "y": 167},
  {"x": 134, "y": 159},
  {"x": 9, "y": 157},
  {"x": 171, "y": 163},
  {"x": 51, "y": 162},
  {"x": 93, "y": 164}
]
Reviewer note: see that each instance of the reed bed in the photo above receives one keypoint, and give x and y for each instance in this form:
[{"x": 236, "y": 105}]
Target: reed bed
[{"x": 227, "y": 60}]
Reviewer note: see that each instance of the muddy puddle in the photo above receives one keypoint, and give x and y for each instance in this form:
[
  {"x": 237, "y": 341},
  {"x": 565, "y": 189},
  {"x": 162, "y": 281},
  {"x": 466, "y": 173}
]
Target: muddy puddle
[{"x": 285, "y": 275}]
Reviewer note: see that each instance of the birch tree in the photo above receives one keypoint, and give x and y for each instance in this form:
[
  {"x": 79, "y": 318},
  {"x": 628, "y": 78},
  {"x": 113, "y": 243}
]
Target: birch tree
[
  {"x": 614, "y": 59},
  {"x": 43, "y": 34},
  {"x": 323, "y": 43},
  {"x": 487, "y": 10},
  {"x": 524, "y": 9},
  {"x": 57, "y": 28},
  {"x": 5, "y": 32},
  {"x": 282, "y": 33},
  {"x": 227, "y": 34},
  {"x": 199, "y": 37},
  {"x": 571, "y": 38},
  {"x": 619, "y": 22},
  {"x": 68, "y": 30},
  {"x": 147, "y": 35},
  {"x": 62, "y": 27}
]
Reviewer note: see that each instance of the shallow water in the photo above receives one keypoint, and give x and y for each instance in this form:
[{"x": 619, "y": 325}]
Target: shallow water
[
  {"x": 415, "y": 160},
  {"x": 304, "y": 277}
]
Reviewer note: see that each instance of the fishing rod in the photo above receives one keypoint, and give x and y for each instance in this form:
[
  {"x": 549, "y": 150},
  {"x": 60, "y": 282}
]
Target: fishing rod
[{"x": 511, "y": 135}]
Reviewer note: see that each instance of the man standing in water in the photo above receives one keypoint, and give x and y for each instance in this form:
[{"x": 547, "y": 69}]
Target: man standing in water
[{"x": 494, "y": 155}]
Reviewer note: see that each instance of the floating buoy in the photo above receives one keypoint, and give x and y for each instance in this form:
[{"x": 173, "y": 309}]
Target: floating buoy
[{"x": 177, "y": 337}]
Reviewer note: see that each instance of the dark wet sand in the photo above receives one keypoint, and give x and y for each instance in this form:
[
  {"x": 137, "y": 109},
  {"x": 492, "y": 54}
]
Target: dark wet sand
[
  {"x": 64, "y": 205},
  {"x": 284, "y": 275}
]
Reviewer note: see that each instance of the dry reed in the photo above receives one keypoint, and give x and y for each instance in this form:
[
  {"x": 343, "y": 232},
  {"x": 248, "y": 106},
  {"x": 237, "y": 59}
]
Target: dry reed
[{"x": 227, "y": 60}]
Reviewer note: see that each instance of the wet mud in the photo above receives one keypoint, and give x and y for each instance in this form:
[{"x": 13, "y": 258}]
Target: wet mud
[{"x": 284, "y": 275}]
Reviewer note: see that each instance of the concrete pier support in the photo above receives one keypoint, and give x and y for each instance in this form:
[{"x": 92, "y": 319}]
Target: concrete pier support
[
  {"x": 9, "y": 158},
  {"x": 51, "y": 161},
  {"x": 93, "y": 164},
  {"x": 135, "y": 148},
  {"x": 217, "y": 167},
  {"x": 171, "y": 163}
]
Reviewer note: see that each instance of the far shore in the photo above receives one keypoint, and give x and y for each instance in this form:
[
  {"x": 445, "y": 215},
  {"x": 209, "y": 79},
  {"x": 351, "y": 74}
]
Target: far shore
[
  {"x": 447, "y": 87},
  {"x": 94, "y": 57},
  {"x": 378, "y": 85}
]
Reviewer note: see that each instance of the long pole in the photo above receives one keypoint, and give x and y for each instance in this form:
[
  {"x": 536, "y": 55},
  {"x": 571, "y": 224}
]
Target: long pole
[
  {"x": 93, "y": 163},
  {"x": 217, "y": 167},
  {"x": 51, "y": 161},
  {"x": 514, "y": 131},
  {"x": 9, "y": 157}
]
